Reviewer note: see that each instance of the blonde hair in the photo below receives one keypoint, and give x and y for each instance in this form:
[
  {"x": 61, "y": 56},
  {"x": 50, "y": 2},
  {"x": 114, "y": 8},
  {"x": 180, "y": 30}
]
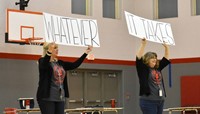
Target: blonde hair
[
  {"x": 150, "y": 55},
  {"x": 45, "y": 48}
]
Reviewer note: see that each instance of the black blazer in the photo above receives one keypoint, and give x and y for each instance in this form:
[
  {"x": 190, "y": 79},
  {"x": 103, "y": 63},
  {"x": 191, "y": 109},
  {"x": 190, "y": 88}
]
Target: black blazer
[
  {"x": 143, "y": 74},
  {"x": 46, "y": 72}
]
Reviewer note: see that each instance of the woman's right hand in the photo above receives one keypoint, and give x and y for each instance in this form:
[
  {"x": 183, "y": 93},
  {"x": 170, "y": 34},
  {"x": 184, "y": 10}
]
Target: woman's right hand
[
  {"x": 140, "y": 52},
  {"x": 144, "y": 41}
]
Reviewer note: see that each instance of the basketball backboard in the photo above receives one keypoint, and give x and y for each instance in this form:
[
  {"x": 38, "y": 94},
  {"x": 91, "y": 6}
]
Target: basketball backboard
[{"x": 23, "y": 25}]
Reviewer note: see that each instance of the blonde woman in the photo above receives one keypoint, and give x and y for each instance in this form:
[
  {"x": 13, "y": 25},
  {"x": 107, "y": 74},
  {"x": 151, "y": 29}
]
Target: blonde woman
[
  {"x": 152, "y": 90},
  {"x": 53, "y": 87}
]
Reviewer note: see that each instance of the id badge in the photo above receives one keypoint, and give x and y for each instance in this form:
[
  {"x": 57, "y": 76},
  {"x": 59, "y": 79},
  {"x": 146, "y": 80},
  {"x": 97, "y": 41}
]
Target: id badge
[{"x": 160, "y": 93}]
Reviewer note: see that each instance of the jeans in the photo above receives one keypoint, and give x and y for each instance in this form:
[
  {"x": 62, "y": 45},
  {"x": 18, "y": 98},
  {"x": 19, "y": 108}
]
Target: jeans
[
  {"x": 151, "y": 106},
  {"x": 51, "y": 107}
]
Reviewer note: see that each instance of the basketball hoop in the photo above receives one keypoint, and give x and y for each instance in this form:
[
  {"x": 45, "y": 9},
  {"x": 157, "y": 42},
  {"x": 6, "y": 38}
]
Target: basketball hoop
[{"x": 34, "y": 41}]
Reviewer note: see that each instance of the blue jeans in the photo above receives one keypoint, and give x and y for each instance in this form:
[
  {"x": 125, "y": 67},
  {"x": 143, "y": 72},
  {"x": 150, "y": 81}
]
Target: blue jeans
[{"x": 151, "y": 106}]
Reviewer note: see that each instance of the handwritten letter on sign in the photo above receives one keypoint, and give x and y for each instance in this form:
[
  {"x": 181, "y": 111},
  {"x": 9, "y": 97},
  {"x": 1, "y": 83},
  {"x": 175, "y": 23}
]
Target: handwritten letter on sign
[
  {"x": 71, "y": 31},
  {"x": 152, "y": 30}
]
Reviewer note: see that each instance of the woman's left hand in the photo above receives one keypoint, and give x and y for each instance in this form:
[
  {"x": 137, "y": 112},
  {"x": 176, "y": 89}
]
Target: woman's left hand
[
  {"x": 165, "y": 45},
  {"x": 89, "y": 49},
  {"x": 166, "y": 50}
]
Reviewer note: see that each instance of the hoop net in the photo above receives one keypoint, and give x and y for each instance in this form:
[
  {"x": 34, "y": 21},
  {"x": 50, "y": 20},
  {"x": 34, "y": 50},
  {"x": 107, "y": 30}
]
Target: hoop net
[{"x": 34, "y": 41}]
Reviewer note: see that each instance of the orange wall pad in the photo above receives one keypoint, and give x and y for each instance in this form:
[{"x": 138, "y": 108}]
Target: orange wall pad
[{"x": 190, "y": 90}]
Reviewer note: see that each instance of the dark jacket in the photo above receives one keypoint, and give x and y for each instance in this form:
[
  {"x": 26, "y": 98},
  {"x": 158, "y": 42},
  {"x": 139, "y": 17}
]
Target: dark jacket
[
  {"x": 143, "y": 74},
  {"x": 45, "y": 74}
]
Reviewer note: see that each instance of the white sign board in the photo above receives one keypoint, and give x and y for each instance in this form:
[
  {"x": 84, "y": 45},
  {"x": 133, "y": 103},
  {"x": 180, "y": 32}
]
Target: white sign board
[
  {"x": 70, "y": 31},
  {"x": 151, "y": 30}
]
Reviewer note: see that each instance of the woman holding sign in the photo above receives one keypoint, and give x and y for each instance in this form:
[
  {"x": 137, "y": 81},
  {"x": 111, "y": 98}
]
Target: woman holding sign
[
  {"x": 152, "y": 90},
  {"x": 53, "y": 88}
]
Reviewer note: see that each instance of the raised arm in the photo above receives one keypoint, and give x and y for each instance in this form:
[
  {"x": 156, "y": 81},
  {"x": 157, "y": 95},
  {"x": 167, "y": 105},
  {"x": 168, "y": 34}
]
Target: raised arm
[
  {"x": 141, "y": 49},
  {"x": 166, "y": 51},
  {"x": 78, "y": 62}
]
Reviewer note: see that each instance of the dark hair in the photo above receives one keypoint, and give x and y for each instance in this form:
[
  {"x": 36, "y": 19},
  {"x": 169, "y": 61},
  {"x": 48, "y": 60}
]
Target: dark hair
[{"x": 150, "y": 55}]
